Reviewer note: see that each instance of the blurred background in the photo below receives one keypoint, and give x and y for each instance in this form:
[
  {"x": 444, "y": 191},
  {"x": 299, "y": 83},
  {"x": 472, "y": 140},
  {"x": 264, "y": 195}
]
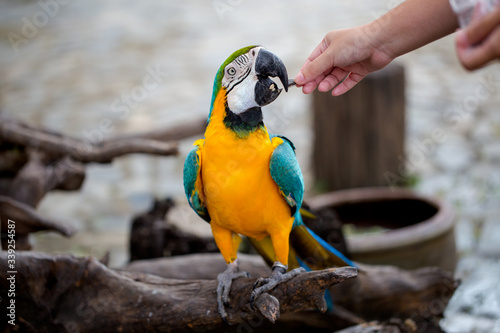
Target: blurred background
[{"x": 146, "y": 65}]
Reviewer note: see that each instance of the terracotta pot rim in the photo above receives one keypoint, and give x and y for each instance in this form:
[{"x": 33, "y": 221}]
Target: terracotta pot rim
[{"x": 435, "y": 226}]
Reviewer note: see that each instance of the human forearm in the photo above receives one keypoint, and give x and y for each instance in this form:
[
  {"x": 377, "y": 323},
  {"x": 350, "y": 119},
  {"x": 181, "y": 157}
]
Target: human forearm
[{"x": 412, "y": 24}]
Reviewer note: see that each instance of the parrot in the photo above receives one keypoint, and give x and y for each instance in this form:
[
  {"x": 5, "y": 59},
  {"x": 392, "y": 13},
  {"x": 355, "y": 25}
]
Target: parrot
[{"x": 245, "y": 181}]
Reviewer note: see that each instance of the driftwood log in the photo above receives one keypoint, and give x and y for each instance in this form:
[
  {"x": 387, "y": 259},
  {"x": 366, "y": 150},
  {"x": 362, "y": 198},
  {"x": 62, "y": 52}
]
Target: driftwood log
[
  {"x": 153, "y": 236},
  {"x": 378, "y": 293},
  {"x": 80, "y": 150},
  {"x": 67, "y": 294},
  {"x": 34, "y": 161},
  {"x": 194, "y": 127},
  {"x": 27, "y": 221}
]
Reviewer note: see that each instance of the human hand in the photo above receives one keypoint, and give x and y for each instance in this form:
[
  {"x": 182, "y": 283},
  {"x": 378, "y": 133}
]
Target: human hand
[
  {"x": 479, "y": 43},
  {"x": 342, "y": 59}
]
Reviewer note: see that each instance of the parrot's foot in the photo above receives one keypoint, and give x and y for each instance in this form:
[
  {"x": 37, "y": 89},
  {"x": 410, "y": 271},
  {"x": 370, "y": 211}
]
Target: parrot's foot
[
  {"x": 278, "y": 275},
  {"x": 225, "y": 280}
]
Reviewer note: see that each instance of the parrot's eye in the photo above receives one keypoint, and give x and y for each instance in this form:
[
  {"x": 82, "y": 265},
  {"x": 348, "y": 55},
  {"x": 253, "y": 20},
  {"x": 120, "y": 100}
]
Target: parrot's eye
[{"x": 231, "y": 71}]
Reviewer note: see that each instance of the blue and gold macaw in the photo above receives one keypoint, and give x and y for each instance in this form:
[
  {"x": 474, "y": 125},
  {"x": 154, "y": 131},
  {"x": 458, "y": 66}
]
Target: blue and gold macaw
[{"x": 245, "y": 181}]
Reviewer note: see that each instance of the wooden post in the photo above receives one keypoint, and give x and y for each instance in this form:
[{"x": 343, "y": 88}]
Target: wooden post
[{"x": 360, "y": 136}]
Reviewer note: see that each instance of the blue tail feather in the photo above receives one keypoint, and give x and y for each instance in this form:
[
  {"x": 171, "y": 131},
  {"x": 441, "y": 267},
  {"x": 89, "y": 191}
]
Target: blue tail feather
[
  {"x": 330, "y": 248},
  {"x": 328, "y": 296}
]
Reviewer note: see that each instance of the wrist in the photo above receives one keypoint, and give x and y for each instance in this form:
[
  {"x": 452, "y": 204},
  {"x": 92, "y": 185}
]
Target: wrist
[
  {"x": 383, "y": 41},
  {"x": 377, "y": 42}
]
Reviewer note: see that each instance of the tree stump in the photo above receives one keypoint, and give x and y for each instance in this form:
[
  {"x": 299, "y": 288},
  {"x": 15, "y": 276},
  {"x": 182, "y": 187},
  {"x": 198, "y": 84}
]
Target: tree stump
[{"x": 360, "y": 136}]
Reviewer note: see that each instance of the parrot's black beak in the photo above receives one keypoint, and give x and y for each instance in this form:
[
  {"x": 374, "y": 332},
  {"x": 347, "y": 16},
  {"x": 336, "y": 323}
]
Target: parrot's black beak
[{"x": 269, "y": 65}]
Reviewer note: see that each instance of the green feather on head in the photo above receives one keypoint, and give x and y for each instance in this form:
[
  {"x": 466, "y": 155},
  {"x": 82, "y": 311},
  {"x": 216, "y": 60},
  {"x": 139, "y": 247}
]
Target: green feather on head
[{"x": 220, "y": 73}]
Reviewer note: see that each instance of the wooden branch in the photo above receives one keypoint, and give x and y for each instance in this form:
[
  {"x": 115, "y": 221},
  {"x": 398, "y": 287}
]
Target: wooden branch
[
  {"x": 194, "y": 127},
  {"x": 63, "y": 293},
  {"x": 35, "y": 161},
  {"x": 42, "y": 174},
  {"x": 385, "y": 292},
  {"x": 85, "y": 152},
  {"x": 27, "y": 221},
  {"x": 378, "y": 293},
  {"x": 12, "y": 158},
  {"x": 108, "y": 151}
]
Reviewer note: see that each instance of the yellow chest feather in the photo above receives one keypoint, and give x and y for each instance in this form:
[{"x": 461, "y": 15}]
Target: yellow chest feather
[{"x": 239, "y": 191}]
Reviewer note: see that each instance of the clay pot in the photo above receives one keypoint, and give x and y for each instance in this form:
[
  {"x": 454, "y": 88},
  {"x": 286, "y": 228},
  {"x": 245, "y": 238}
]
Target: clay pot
[{"x": 420, "y": 230}]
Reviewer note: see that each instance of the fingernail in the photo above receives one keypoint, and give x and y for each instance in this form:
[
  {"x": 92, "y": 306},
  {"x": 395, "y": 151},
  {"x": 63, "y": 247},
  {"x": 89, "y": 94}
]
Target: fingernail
[{"x": 299, "y": 79}]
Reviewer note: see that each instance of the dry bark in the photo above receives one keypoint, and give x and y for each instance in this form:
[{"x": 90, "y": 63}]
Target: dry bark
[
  {"x": 153, "y": 236},
  {"x": 34, "y": 161},
  {"x": 378, "y": 293},
  {"x": 61, "y": 145},
  {"x": 27, "y": 221},
  {"x": 194, "y": 127},
  {"x": 62, "y": 293}
]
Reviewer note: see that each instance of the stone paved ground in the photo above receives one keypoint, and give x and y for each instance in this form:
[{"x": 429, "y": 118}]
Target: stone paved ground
[{"x": 78, "y": 62}]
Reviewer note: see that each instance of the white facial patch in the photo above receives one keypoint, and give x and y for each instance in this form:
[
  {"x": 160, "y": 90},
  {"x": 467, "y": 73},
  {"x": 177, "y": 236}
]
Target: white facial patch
[
  {"x": 242, "y": 97},
  {"x": 240, "y": 80}
]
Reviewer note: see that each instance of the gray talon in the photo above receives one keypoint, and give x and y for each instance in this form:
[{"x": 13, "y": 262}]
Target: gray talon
[
  {"x": 224, "y": 281},
  {"x": 277, "y": 276}
]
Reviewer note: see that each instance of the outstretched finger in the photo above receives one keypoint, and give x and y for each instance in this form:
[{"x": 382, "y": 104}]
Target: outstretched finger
[
  {"x": 347, "y": 84},
  {"x": 310, "y": 86},
  {"x": 333, "y": 79}
]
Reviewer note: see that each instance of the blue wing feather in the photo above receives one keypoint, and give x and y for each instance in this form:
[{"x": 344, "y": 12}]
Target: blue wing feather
[
  {"x": 285, "y": 171},
  {"x": 192, "y": 171}
]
